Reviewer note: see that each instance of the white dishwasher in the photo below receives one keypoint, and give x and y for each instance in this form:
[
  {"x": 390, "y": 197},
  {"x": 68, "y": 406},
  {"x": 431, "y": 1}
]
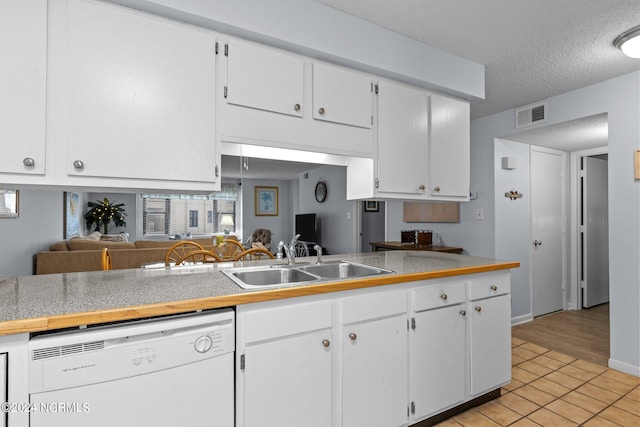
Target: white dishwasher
[{"x": 171, "y": 371}]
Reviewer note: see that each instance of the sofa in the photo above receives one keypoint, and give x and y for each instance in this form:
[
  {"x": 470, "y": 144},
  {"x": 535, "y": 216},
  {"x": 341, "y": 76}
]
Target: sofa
[{"x": 85, "y": 253}]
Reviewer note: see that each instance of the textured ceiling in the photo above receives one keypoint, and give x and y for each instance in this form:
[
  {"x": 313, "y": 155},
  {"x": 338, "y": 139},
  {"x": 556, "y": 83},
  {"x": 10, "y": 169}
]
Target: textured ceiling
[{"x": 531, "y": 49}]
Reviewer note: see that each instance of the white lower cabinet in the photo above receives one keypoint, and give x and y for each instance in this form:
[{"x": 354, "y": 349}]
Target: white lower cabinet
[
  {"x": 284, "y": 364},
  {"x": 389, "y": 356},
  {"x": 374, "y": 360},
  {"x": 440, "y": 366}
]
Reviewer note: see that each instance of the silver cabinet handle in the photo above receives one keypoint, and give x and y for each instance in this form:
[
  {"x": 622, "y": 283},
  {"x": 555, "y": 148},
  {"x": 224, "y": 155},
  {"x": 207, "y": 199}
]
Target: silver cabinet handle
[
  {"x": 78, "y": 164},
  {"x": 494, "y": 288},
  {"x": 28, "y": 161},
  {"x": 326, "y": 343},
  {"x": 463, "y": 312},
  {"x": 444, "y": 297},
  {"x": 321, "y": 111},
  {"x": 537, "y": 243},
  {"x": 421, "y": 187},
  {"x": 436, "y": 189},
  {"x": 353, "y": 336},
  {"x": 478, "y": 309},
  {"x": 297, "y": 107}
]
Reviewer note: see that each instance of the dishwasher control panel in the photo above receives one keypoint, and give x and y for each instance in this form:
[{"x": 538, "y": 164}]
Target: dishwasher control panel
[{"x": 88, "y": 356}]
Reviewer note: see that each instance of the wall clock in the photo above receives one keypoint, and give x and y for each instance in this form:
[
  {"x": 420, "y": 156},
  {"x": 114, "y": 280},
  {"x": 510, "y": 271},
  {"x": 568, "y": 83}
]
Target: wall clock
[{"x": 321, "y": 191}]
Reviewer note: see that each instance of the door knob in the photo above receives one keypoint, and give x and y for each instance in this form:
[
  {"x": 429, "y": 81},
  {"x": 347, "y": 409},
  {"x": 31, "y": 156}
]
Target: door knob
[
  {"x": 537, "y": 243},
  {"x": 353, "y": 336}
]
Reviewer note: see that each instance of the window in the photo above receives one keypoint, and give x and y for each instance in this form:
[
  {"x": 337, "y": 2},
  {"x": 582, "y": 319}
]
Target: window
[{"x": 170, "y": 214}]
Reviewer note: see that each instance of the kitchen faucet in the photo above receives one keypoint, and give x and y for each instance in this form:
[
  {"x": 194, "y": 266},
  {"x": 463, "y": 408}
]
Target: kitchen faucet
[{"x": 290, "y": 251}]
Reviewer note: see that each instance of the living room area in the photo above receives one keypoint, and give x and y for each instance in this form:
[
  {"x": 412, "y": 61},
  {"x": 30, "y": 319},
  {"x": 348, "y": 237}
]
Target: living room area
[{"x": 50, "y": 219}]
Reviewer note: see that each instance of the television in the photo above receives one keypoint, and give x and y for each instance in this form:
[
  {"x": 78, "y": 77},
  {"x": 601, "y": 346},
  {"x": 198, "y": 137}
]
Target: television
[{"x": 307, "y": 227}]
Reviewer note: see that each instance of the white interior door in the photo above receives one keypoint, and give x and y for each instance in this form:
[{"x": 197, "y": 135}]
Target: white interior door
[
  {"x": 595, "y": 232},
  {"x": 547, "y": 229}
]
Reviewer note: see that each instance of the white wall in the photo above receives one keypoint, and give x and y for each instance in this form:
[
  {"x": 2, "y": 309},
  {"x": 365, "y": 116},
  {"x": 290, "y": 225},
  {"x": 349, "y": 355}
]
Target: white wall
[
  {"x": 280, "y": 225},
  {"x": 39, "y": 225},
  {"x": 336, "y": 214},
  {"x": 620, "y": 98}
]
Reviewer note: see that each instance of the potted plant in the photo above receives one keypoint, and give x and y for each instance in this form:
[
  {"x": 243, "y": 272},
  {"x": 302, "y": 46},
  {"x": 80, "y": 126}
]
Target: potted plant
[{"x": 101, "y": 213}]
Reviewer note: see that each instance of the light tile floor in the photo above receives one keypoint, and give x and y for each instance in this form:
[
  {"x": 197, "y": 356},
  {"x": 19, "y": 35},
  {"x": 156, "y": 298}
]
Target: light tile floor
[{"x": 552, "y": 389}]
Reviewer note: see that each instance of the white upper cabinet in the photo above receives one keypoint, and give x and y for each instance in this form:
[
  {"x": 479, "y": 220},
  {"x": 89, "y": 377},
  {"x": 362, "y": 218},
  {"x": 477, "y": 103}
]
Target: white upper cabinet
[
  {"x": 403, "y": 129},
  {"x": 277, "y": 99},
  {"x": 449, "y": 148},
  {"x": 132, "y": 96},
  {"x": 23, "y": 49},
  {"x": 265, "y": 79},
  {"x": 342, "y": 96}
]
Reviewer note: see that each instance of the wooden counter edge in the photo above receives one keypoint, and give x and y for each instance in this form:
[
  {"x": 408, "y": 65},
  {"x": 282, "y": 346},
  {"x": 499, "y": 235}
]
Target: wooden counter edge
[{"x": 38, "y": 324}]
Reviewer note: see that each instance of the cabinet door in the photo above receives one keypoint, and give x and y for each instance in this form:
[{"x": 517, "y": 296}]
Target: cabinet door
[
  {"x": 403, "y": 118},
  {"x": 342, "y": 96},
  {"x": 264, "y": 78},
  {"x": 287, "y": 381},
  {"x": 439, "y": 359},
  {"x": 375, "y": 373},
  {"x": 137, "y": 91},
  {"x": 449, "y": 149},
  {"x": 23, "y": 49},
  {"x": 490, "y": 351}
]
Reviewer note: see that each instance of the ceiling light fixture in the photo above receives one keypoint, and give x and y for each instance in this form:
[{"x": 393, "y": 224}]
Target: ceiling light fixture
[{"x": 629, "y": 42}]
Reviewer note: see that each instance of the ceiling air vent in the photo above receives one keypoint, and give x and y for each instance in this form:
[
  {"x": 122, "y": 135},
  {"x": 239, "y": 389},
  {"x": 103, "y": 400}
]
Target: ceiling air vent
[{"x": 530, "y": 115}]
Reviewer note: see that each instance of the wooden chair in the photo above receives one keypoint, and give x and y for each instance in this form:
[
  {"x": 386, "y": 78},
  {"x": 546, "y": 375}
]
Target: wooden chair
[
  {"x": 180, "y": 249},
  {"x": 199, "y": 256},
  {"x": 229, "y": 249},
  {"x": 301, "y": 249},
  {"x": 253, "y": 254},
  {"x": 106, "y": 259}
]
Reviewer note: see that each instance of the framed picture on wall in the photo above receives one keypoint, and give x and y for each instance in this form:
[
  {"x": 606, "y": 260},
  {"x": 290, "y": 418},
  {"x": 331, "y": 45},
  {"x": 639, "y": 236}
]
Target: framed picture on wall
[
  {"x": 9, "y": 201},
  {"x": 266, "y": 201},
  {"x": 71, "y": 215},
  {"x": 371, "y": 206}
]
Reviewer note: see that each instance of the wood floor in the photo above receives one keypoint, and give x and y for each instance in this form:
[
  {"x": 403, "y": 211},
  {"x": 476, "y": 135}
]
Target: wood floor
[{"x": 583, "y": 334}]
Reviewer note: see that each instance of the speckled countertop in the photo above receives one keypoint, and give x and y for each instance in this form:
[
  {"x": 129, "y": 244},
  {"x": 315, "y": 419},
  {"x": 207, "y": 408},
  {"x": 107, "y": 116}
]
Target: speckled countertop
[{"x": 52, "y": 301}]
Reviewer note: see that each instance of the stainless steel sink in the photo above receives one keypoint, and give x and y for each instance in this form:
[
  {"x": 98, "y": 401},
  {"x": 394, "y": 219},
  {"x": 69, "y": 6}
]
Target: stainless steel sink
[
  {"x": 342, "y": 270},
  {"x": 276, "y": 276},
  {"x": 271, "y": 276}
]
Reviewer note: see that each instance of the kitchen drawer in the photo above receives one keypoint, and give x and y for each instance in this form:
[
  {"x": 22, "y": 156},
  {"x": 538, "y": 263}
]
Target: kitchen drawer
[
  {"x": 438, "y": 295},
  {"x": 489, "y": 286},
  {"x": 264, "y": 324},
  {"x": 373, "y": 306}
]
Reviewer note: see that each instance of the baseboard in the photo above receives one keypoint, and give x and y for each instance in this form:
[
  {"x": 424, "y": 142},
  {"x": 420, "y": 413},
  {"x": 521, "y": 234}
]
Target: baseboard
[
  {"x": 627, "y": 368},
  {"x": 521, "y": 319}
]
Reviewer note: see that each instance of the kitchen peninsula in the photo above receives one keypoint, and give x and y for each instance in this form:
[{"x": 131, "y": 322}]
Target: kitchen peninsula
[{"x": 428, "y": 294}]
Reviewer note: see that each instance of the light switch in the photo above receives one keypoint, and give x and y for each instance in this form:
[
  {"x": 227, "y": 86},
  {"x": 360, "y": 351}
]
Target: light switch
[{"x": 479, "y": 214}]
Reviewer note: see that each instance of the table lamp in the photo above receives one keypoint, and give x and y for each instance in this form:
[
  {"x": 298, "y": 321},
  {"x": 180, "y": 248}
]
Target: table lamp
[{"x": 226, "y": 221}]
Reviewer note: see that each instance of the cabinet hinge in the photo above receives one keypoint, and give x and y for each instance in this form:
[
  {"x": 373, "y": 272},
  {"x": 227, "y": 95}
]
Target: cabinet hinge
[
  {"x": 217, "y": 171},
  {"x": 225, "y": 91},
  {"x": 413, "y": 407},
  {"x": 242, "y": 362},
  {"x": 216, "y": 48},
  {"x": 377, "y": 183},
  {"x": 371, "y": 120},
  {"x": 413, "y": 323},
  {"x": 226, "y": 49},
  {"x": 376, "y": 88}
]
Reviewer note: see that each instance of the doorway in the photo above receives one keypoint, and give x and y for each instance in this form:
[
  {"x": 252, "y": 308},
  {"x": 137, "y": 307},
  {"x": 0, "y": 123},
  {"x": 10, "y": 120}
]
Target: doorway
[
  {"x": 372, "y": 225},
  {"x": 593, "y": 259},
  {"x": 548, "y": 225}
]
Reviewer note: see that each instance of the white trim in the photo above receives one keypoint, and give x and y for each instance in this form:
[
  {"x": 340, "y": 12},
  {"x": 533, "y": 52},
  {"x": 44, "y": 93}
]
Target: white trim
[
  {"x": 624, "y": 367},
  {"x": 525, "y": 318}
]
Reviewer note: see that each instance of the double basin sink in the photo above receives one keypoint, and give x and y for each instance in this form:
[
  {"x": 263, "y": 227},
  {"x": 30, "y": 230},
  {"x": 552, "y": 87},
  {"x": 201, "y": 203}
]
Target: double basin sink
[{"x": 275, "y": 276}]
